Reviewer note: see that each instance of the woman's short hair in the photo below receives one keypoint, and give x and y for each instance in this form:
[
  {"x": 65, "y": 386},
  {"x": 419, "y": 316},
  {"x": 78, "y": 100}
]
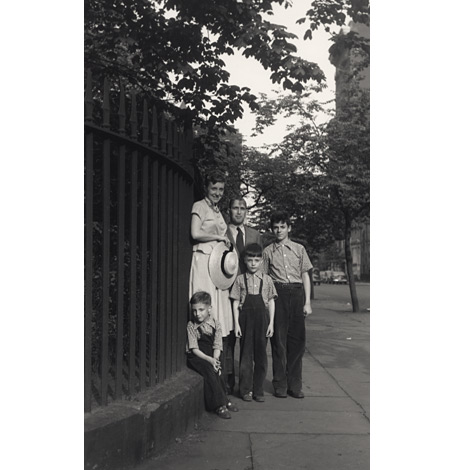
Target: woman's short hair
[
  {"x": 201, "y": 297},
  {"x": 213, "y": 177}
]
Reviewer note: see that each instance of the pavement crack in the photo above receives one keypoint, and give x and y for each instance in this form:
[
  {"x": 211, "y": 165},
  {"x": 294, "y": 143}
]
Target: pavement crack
[
  {"x": 251, "y": 451},
  {"x": 339, "y": 385}
]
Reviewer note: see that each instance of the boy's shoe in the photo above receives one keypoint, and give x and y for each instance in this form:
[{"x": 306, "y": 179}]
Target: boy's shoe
[
  {"x": 222, "y": 412},
  {"x": 259, "y": 398},
  {"x": 231, "y": 407},
  {"x": 298, "y": 394},
  {"x": 248, "y": 396},
  {"x": 280, "y": 393}
]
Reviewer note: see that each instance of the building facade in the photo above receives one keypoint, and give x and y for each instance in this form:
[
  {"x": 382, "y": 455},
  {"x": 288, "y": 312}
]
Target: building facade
[{"x": 345, "y": 58}]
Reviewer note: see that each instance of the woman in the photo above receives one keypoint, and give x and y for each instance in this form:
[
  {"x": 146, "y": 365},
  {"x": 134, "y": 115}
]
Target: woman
[{"x": 208, "y": 228}]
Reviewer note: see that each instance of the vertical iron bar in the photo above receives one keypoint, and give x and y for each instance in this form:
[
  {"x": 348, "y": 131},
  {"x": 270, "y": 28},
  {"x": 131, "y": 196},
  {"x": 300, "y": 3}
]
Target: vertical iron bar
[
  {"x": 133, "y": 274},
  {"x": 106, "y": 248},
  {"x": 120, "y": 249},
  {"x": 175, "y": 272},
  {"x": 162, "y": 306},
  {"x": 88, "y": 271},
  {"x": 154, "y": 222},
  {"x": 121, "y": 272},
  {"x": 106, "y": 254},
  {"x": 186, "y": 250},
  {"x": 144, "y": 224},
  {"x": 183, "y": 248},
  {"x": 169, "y": 297}
]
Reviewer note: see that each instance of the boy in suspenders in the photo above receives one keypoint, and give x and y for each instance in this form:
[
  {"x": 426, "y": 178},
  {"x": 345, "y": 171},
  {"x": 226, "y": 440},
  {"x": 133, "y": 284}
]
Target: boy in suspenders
[{"x": 254, "y": 296}]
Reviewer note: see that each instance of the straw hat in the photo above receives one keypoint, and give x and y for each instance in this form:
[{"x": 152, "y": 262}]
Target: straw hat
[{"x": 223, "y": 266}]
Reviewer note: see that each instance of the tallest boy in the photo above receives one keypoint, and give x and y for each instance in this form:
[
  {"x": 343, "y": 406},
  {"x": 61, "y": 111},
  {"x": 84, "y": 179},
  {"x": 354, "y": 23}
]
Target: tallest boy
[{"x": 287, "y": 263}]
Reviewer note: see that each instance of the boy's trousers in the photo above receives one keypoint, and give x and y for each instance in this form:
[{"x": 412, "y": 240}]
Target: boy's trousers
[
  {"x": 288, "y": 340},
  {"x": 253, "y": 321},
  {"x": 227, "y": 361},
  {"x": 214, "y": 386}
]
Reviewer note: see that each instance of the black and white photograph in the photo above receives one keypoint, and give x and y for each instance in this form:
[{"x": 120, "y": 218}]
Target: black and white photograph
[
  {"x": 227, "y": 252},
  {"x": 188, "y": 274}
]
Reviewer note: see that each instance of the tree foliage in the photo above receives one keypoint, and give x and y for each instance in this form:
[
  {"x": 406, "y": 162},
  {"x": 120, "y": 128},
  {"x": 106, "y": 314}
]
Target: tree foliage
[
  {"x": 173, "y": 49},
  {"x": 319, "y": 173},
  {"x": 332, "y": 14}
]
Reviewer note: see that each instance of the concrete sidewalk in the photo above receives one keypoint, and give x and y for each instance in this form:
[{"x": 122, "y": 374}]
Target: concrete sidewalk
[{"x": 327, "y": 430}]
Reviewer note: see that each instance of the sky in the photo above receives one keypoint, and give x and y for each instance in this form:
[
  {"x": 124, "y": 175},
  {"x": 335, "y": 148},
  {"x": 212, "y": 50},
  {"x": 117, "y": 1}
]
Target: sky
[{"x": 250, "y": 73}]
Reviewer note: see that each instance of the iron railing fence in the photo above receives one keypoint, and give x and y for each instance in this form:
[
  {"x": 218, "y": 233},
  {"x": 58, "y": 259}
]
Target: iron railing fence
[{"x": 138, "y": 196}]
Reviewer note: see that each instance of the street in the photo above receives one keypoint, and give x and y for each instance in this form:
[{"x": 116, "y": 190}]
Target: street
[
  {"x": 327, "y": 430},
  {"x": 339, "y": 294}
]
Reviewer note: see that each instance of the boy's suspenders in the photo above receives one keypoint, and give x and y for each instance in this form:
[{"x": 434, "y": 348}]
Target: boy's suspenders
[{"x": 246, "y": 285}]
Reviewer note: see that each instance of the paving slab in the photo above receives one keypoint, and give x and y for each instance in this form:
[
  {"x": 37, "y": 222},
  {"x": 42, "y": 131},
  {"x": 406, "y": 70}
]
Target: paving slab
[
  {"x": 312, "y": 452},
  {"x": 289, "y": 422},
  {"x": 317, "y": 403},
  {"x": 321, "y": 384},
  {"x": 206, "y": 450}
]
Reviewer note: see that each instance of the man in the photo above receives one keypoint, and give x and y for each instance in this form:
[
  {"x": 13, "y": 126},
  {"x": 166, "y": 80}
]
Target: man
[
  {"x": 238, "y": 233},
  {"x": 240, "y": 236}
]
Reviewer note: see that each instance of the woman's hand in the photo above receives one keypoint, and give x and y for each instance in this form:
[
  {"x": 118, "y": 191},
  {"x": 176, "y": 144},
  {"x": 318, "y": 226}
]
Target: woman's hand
[{"x": 226, "y": 241}]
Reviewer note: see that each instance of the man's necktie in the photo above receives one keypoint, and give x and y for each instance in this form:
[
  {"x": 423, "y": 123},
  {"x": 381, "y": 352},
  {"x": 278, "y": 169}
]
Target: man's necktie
[{"x": 239, "y": 241}]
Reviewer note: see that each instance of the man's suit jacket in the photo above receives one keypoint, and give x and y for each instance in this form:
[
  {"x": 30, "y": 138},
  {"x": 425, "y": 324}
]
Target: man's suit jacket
[{"x": 251, "y": 236}]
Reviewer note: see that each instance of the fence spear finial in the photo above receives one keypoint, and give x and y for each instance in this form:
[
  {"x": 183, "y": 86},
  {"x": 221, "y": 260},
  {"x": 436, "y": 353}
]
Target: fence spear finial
[
  {"x": 154, "y": 128},
  {"x": 145, "y": 124},
  {"x": 106, "y": 105},
  {"x": 89, "y": 97},
  {"x": 133, "y": 116},
  {"x": 163, "y": 134},
  {"x": 122, "y": 111}
]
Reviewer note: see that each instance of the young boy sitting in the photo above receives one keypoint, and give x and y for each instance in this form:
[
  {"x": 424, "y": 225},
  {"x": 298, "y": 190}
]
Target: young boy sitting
[
  {"x": 288, "y": 264},
  {"x": 254, "y": 309},
  {"x": 204, "y": 347}
]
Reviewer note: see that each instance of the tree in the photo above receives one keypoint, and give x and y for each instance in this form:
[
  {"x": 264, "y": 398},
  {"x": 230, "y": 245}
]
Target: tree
[
  {"x": 172, "y": 49},
  {"x": 319, "y": 173},
  {"x": 347, "y": 169},
  {"x": 331, "y": 14}
]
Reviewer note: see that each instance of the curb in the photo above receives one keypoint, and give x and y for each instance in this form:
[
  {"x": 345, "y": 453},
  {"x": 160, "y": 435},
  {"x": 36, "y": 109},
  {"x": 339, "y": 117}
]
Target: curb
[{"x": 125, "y": 433}]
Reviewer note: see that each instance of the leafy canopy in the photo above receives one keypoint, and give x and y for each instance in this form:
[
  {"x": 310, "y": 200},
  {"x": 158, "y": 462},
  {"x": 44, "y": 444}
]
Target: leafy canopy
[
  {"x": 319, "y": 172},
  {"x": 172, "y": 50}
]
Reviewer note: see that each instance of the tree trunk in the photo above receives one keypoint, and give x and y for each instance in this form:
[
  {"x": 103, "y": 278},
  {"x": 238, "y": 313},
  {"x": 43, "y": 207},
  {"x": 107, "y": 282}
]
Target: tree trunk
[{"x": 350, "y": 271}]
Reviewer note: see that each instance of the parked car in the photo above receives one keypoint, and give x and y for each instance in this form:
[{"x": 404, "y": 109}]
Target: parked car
[
  {"x": 324, "y": 276},
  {"x": 340, "y": 279}
]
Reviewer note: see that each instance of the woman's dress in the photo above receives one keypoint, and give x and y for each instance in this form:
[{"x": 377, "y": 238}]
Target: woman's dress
[{"x": 212, "y": 223}]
